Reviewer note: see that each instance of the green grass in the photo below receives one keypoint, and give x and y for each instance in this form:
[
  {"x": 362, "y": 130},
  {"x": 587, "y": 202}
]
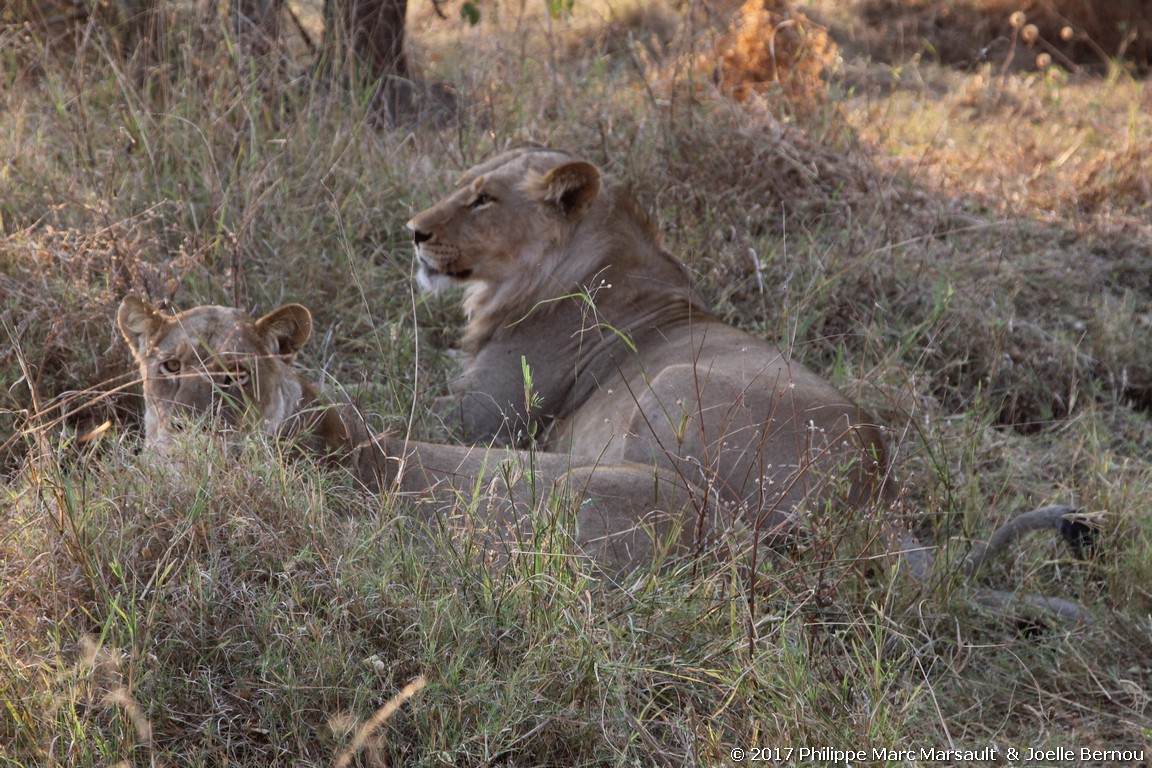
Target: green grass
[{"x": 254, "y": 609}]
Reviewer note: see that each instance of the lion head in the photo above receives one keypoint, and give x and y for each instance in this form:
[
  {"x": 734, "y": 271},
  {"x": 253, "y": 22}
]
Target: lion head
[
  {"x": 214, "y": 364},
  {"x": 500, "y": 232}
]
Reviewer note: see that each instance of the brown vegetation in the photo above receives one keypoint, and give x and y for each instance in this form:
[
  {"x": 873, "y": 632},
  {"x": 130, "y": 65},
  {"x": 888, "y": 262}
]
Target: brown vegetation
[
  {"x": 1017, "y": 33},
  {"x": 771, "y": 45}
]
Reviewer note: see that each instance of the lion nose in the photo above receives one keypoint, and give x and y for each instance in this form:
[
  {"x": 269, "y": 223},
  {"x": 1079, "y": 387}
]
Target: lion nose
[{"x": 420, "y": 237}]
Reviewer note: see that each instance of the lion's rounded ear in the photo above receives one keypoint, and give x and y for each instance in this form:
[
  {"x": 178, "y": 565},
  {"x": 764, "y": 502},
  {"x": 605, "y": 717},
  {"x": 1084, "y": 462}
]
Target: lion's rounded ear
[
  {"x": 138, "y": 321},
  {"x": 570, "y": 188},
  {"x": 287, "y": 328}
]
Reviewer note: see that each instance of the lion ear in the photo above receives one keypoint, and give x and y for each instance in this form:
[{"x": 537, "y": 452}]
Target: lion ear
[
  {"x": 138, "y": 321},
  {"x": 570, "y": 188},
  {"x": 287, "y": 328}
]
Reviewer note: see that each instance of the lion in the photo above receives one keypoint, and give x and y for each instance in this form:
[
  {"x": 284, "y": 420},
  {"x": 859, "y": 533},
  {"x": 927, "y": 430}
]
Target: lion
[
  {"x": 565, "y": 275},
  {"x": 586, "y": 336},
  {"x": 221, "y": 368}
]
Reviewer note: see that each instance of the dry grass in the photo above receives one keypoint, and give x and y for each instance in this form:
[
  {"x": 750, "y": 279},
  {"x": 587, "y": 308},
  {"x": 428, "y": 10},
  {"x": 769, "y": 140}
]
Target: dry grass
[
  {"x": 770, "y": 45},
  {"x": 967, "y": 254},
  {"x": 1015, "y": 34}
]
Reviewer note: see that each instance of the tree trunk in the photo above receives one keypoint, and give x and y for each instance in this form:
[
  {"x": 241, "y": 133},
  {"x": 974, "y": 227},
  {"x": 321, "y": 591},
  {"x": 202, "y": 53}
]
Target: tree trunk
[
  {"x": 257, "y": 23},
  {"x": 371, "y": 34}
]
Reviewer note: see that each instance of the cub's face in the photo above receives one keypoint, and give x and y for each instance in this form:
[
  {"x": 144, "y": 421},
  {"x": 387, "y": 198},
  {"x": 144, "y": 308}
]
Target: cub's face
[
  {"x": 504, "y": 216},
  {"x": 214, "y": 366}
]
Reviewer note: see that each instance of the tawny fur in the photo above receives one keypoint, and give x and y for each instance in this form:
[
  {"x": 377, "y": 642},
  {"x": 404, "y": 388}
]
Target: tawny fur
[
  {"x": 566, "y": 275},
  {"x": 220, "y": 369},
  {"x": 564, "y": 270}
]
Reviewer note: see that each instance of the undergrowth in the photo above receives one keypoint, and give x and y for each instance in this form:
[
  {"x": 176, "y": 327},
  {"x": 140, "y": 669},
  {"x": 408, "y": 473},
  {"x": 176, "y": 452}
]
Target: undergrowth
[{"x": 993, "y": 314}]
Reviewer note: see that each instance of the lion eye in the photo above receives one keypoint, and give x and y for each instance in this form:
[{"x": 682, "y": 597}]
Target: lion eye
[
  {"x": 171, "y": 365},
  {"x": 481, "y": 200}
]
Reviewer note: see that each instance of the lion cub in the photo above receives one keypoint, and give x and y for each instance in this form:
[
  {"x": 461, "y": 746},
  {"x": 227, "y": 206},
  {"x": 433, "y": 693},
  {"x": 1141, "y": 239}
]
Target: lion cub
[{"x": 221, "y": 369}]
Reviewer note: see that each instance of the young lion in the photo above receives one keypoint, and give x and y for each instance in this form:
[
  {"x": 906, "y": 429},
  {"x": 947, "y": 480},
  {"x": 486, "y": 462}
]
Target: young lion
[
  {"x": 220, "y": 368},
  {"x": 565, "y": 273}
]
